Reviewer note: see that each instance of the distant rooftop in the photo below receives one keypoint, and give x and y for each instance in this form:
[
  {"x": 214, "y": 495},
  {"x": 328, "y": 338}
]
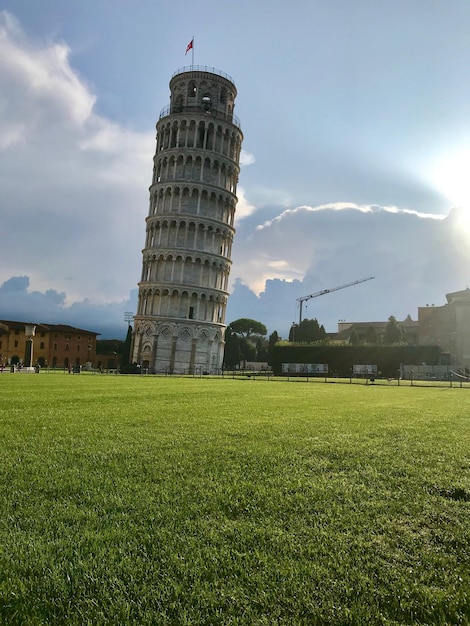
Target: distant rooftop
[{"x": 19, "y": 325}]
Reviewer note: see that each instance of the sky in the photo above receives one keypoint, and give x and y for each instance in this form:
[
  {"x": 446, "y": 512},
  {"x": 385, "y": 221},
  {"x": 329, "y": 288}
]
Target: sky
[{"x": 355, "y": 160}]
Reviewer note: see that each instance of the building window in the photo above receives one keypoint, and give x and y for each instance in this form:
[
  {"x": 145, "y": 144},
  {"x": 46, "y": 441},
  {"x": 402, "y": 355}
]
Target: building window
[
  {"x": 55, "y": 347},
  {"x": 16, "y": 343},
  {"x": 78, "y": 348},
  {"x": 66, "y": 347},
  {"x": 41, "y": 345}
]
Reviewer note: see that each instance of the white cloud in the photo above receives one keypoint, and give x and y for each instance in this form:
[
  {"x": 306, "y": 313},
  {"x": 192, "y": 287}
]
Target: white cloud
[
  {"x": 300, "y": 239},
  {"x": 415, "y": 257},
  {"x": 246, "y": 158},
  {"x": 244, "y": 208},
  {"x": 38, "y": 84},
  {"x": 74, "y": 184},
  {"x": 345, "y": 206}
]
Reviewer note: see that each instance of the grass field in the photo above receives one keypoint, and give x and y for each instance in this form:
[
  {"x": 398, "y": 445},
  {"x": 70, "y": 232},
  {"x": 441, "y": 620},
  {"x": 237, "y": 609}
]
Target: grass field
[{"x": 141, "y": 500}]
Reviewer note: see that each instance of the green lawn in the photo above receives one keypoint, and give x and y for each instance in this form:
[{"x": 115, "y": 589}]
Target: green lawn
[{"x": 142, "y": 500}]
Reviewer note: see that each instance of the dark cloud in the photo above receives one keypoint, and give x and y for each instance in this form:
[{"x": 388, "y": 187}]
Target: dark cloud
[
  {"x": 17, "y": 302},
  {"x": 14, "y": 285},
  {"x": 416, "y": 259}
]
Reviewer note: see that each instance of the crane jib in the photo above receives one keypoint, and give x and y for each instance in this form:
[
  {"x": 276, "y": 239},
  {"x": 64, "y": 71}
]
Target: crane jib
[{"x": 325, "y": 291}]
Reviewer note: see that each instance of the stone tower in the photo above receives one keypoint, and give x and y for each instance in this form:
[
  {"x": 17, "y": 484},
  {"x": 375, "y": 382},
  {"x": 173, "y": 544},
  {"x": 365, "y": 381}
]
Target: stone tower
[{"x": 180, "y": 322}]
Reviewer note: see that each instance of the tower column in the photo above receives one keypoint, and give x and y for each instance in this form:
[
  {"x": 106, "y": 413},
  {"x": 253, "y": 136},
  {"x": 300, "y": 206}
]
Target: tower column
[{"x": 154, "y": 352}]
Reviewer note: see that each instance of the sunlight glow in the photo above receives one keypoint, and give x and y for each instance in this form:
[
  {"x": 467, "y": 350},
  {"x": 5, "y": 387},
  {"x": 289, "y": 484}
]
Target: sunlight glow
[
  {"x": 451, "y": 177},
  {"x": 463, "y": 222}
]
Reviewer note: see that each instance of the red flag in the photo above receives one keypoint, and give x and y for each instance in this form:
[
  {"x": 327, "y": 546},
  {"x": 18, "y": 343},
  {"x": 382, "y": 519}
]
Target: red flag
[{"x": 189, "y": 46}]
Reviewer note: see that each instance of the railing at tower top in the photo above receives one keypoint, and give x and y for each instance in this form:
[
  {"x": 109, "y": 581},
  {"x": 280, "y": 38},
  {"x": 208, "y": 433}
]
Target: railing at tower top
[
  {"x": 203, "y": 68},
  {"x": 220, "y": 115}
]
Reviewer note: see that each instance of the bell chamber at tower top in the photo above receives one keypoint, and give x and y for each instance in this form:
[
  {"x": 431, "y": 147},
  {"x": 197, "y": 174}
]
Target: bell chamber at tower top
[{"x": 202, "y": 90}]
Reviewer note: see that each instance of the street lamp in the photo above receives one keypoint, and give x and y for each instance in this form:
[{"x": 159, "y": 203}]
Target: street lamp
[{"x": 29, "y": 331}]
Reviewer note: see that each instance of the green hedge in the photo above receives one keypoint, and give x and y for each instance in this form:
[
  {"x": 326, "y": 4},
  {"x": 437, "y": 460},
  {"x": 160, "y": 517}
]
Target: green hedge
[{"x": 340, "y": 359}]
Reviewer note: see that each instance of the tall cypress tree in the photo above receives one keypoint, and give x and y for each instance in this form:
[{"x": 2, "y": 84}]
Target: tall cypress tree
[
  {"x": 126, "y": 348},
  {"x": 232, "y": 349},
  {"x": 273, "y": 339}
]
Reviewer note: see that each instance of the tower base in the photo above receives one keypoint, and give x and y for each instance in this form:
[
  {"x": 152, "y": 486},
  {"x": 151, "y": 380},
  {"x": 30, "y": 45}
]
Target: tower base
[{"x": 164, "y": 347}]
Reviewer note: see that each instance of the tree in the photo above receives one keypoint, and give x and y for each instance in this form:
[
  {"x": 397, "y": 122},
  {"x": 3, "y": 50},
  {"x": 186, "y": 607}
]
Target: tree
[
  {"x": 261, "y": 350},
  {"x": 246, "y": 327},
  {"x": 247, "y": 350},
  {"x": 393, "y": 332},
  {"x": 371, "y": 335},
  {"x": 232, "y": 349},
  {"x": 251, "y": 334},
  {"x": 273, "y": 339},
  {"x": 308, "y": 331},
  {"x": 126, "y": 348},
  {"x": 354, "y": 338},
  {"x": 292, "y": 333}
]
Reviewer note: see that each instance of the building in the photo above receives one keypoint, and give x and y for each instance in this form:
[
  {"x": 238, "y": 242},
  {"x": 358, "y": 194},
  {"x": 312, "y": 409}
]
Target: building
[
  {"x": 180, "y": 321},
  {"x": 448, "y": 327},
  {"x": 53, "y": 345},
  {"x": 372, "y": 332},
  {"x": 109, "y": 354}
]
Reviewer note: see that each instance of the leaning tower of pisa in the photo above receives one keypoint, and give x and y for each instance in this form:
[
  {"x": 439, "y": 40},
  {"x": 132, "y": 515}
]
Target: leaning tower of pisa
[{"x": 180, "y": 321}]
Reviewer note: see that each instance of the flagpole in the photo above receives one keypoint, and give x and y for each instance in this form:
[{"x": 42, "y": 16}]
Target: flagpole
[{"x": 192, "y": 55}]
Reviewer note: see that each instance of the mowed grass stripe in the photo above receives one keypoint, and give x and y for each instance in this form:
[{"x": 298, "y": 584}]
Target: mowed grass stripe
[{"x": 205, "y": 501}]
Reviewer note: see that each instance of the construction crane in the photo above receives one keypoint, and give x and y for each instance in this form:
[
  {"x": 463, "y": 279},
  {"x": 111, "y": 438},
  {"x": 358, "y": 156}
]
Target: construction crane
[{"x": 325, "y": 291}]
